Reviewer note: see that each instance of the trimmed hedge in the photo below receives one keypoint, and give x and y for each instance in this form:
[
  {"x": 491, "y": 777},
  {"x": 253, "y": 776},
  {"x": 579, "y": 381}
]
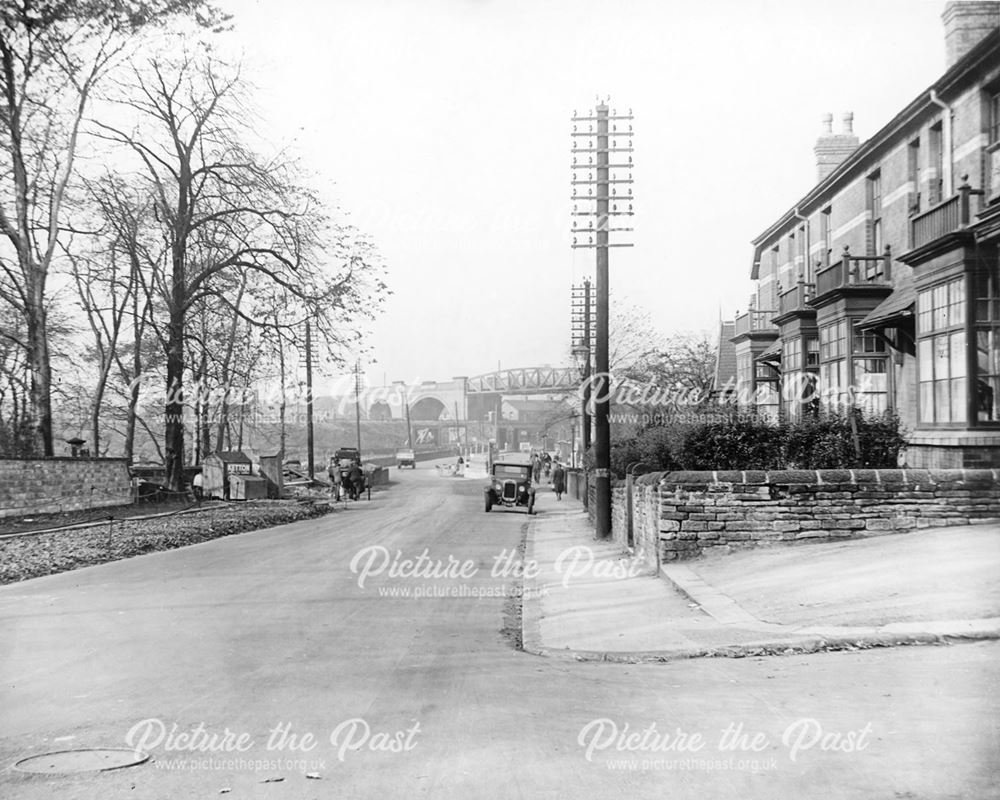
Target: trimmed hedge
[{"x": 829, "y": 441}]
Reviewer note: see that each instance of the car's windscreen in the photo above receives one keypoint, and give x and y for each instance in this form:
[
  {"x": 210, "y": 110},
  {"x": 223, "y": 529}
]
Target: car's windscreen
[{"x": 507, "y": 471}]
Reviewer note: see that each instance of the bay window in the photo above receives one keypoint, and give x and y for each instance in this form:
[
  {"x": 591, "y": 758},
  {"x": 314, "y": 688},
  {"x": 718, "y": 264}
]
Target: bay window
[
  {"x": 941, "y": 352},
  {"x": 987, "y": 335},
  {"x": 767, "y": 397},
  {"x": 833, "y": 373},
  {"x": 871, "y": 375},
  {"x": 744, "y": 378},
  {"x": 799, "y": 360}
]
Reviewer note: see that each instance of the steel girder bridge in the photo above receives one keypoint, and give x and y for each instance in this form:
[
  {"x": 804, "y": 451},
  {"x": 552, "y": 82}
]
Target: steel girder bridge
[{"x": 525, "y": 380}]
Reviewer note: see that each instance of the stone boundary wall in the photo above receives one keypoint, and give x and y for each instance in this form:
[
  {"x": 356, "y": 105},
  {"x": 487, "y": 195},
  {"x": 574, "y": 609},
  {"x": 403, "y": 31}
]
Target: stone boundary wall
[
  {"x": 53, "y": 485},
  {"x": 575, "y": 483},
  {"x": 681, "y": 515},
  {"x": 619, "y": 521}
]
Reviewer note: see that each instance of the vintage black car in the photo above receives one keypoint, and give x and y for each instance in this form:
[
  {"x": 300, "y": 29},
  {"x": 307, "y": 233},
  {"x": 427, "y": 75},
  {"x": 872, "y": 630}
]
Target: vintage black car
[{"x": 510, "y": 485}]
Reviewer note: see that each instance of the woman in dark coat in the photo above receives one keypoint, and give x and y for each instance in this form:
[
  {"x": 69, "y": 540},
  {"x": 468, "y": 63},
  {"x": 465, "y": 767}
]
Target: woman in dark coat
[{"x": 558, "y": 479}]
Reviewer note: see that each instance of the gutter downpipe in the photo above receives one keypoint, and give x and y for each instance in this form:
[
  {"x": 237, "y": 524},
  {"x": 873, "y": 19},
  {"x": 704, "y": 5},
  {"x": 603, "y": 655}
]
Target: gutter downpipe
[
  {"x": 947, "y": 165},
  {"x": 806, "y": 254}
]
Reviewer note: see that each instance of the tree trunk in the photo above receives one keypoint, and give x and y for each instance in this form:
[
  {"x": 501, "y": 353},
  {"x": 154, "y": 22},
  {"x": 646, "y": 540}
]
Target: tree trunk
[
  {"x": 174, "y": 410},
  {"x": 204, "y": 435},
  {"x": 41, "y": 377},
  {"x": 133, "y": 401},
  {"x": 239, "y": 439},
  {"x": 95, "y": 413},
  {"x": 283, "y": 403},
  {"x": 223, "y": 428},
  {"x": 133, "y": 396}
]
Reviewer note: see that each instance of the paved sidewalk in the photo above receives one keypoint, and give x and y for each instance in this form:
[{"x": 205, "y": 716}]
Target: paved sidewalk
[{"x": 591, "y": 601}]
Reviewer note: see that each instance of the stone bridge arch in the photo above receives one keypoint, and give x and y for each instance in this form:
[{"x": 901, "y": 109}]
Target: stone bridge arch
[{"x": 429, "y": 408}]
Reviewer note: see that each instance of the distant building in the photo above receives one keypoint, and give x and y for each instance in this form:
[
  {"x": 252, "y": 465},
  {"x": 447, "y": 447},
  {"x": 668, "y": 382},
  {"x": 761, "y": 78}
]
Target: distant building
[
  {"x": 724, "y": 375},
  {"x": 881, "y": 285}
]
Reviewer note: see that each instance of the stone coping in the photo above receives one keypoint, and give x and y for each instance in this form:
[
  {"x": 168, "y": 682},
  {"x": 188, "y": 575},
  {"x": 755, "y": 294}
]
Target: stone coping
[{"x": 823, "y": 476}]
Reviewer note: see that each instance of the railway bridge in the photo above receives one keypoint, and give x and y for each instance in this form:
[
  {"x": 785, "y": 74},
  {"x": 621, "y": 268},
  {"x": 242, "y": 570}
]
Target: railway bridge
[{"x": 509, "y": 406}]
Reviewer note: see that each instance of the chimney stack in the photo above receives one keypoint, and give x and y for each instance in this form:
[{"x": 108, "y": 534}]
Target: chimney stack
[
  {"x": 832, "y": 149},
  {"x": 965, "y": 25}
]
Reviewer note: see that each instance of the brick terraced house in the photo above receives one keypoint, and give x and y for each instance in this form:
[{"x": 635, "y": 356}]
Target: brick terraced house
[{"x": 881, "y": 286}]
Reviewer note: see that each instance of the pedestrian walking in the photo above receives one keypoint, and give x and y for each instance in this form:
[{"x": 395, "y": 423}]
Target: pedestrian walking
[
  {"x": 357, "y": 477},
  {"x": 558, "y": 479}
]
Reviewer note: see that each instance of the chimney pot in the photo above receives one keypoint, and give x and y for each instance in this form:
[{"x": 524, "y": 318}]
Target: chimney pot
[{"x": 832, "y": 148}]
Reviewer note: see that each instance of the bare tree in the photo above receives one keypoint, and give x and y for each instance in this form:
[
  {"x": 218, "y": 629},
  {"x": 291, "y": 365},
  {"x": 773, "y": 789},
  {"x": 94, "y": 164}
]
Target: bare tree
[
  {"x": 16, "y": 437},
  {"x": 105, "y": 281},
  {"x": 685, "y": 361},
  {"x": 52, "y": 55},
  {"x": 632, "y": 337},
  {"x": 225, "y": 211}
]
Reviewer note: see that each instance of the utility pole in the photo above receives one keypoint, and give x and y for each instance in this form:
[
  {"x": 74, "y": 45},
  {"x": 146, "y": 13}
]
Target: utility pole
[
  {"x": 310, "y": 456},
  {"x": 583, "y": 319},
  {"x": 409, "y": 426},
  {"x": 602, "y": 204},
  {"x": 357, "y": 400}
]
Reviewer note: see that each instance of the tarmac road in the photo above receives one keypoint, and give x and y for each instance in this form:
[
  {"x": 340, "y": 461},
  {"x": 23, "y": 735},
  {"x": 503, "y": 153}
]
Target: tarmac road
[{"x": 204, "y": 655}]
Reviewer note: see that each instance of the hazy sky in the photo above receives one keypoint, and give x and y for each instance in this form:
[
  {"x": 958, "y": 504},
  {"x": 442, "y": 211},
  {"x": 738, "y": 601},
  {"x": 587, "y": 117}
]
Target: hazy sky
[{"x": 443, "y": 128}]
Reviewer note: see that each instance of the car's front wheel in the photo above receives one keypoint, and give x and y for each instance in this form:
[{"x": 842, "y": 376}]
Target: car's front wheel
[{"x": 489, "y": 504}]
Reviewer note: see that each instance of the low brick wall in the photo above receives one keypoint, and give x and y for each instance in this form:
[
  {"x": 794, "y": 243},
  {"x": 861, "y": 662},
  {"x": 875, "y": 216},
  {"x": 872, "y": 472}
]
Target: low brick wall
[
  {"x": 53, "y": 485},
  {"x": 680, "y": 515}
]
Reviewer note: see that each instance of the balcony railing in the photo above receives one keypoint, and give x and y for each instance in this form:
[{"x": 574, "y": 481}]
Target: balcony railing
[
  {"x": 855, "y": 271},
  {"x": 753, "y": 322},
  {"x": 948, "y": 216},
  {"x": 796, "y": 298}
]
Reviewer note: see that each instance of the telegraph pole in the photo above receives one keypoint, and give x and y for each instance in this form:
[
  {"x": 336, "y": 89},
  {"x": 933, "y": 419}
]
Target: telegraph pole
[
  {"x": 357, "y": 401},
  {"x": 583, "y": 322},
  {"x": 409, "y": 426},
  {"x": 602, "y": 201},
  {"x": 310, "y": 456}
]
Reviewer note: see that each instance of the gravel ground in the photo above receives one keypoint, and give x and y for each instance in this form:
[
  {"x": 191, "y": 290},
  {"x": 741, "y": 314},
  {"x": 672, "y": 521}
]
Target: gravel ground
[
  {"x": 38, "y": 522},
  {"x": 45, "y": 554}
]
